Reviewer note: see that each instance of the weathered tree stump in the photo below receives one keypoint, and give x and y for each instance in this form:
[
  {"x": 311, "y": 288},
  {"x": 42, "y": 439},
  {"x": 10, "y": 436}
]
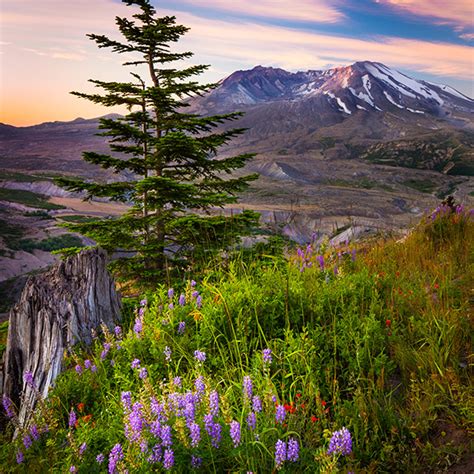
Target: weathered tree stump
[{"x": 57, "y": 309}]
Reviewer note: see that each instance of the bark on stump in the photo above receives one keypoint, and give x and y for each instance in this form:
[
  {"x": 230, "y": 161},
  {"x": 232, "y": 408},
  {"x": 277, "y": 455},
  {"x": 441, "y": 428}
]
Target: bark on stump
[{"x": 57, "y": 309}]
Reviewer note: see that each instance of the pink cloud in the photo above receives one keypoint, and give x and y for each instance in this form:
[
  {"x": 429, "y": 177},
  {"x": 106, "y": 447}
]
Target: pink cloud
[
  {"x": 456, "y": 12},
  {"x": 322, "y": 11},
  {"x": 252, "y": 44}
]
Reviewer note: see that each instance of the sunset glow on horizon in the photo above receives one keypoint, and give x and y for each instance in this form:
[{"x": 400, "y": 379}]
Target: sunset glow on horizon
[{"x": 45, "y": 53}]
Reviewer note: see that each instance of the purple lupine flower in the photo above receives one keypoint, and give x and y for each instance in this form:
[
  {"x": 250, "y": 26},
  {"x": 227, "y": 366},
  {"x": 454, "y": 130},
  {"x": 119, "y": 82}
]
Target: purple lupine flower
[
  {"x": 336, "y": 270},
  {"x": 166, "y": 438},
  {"x": 196, "y": 462},
  {"x": 138, "y": 326},
  {"x": 126, "y": 399},
  {"x": 213, "y": 429},
  {"x": 280, "y": 414},
  {"x": 143, "y": 302},
  {"x": 143, "y": 374},
  {"x": 194, "y": 434},
  {"x": 144, "y": 446},
  {"x": 105, "y": 351},
  {"x": 27, "y": 441},
  {"x": 293, "y": 450},
  {"x": 200, "y": 356},
  {"x": 73, "y": 469},
  {"x": 193, "y": 283},
  {"x": 182, "y": 300},
  {"x": 280, "y": 453},
  {"x": 274, "y": 399},
  {"x": 135, "y": 363},
  {"x": 181, "y": 328},
  {"x": 156, "y": 408},
  {"x": 195, "y": 294},
  {"x": 94, "y": 368},
  {"x": 87, "y": 364},
  {"x": 267, "y": 356},
  {"x": 78, "y": 369},
  {"x": 177, "y": 382},
  {"x": 189, "y": 411},
  {"x": 199, "y": 301},
  {"x": 341, "y": 442},
  {"x": 216, "y": 435},
  {"x": 82, "y": 448},
  {"x": 256, "y": 404},
  {"x": 19, "y": 457},
  {"x": 34, "y": 432},
  {"x": 353, "y": 255},
  {"x": 235, "y": 432},
  {"x": 214, "y": 403},
  {"x": 136, "y": 422},
  {"x": 112, "y": 362},
  {"x": 155, "y": 429},
  {"x": 168, "y": 459},
  {"x": 117, "y": 331},
  {"x": 167, "y": 353},
  {"x": 100, "y": 458},
  {"x": 247, "y": 387},
  {"x": 155, "y": 456},
  {"x": 320, "y": 259},
  {"x": 7, "y": 406},
  {"x": 72, "y": 418},
  {"x": 28, "y": 378},
  {"x": 200, "y": 386},
  {"x": 115, "y": 456},
  {"x": 171, "y": 306},
  {"x": 170, "y": 293},
  {"x": 252, "y": 421}
]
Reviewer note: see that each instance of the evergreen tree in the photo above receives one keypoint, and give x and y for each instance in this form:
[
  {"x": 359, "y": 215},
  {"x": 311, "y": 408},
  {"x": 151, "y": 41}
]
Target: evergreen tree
[{"x": 171, "y": 155}]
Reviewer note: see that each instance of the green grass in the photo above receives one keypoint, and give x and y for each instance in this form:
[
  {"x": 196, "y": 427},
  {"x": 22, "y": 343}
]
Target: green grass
[
  {"x": 10, "y": 233},
  {"x": 377, "y": 341},
  {"x": 77, "y": 218},
  {"x": 422, "y": 185},
  {"x": 48, "y": 245},
  {"x": 364, "y": 183},
  {"x": 25, "y": 178},
  {"x": 27, "y": 198},
  {"x": 3, "y": 337}
]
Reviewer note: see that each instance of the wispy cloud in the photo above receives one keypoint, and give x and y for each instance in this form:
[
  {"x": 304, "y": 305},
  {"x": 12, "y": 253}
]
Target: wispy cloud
[
  {"x": 467, "y": 36},
  {"x": 318, "y": 11},
  {"x": 58, "y": 54},
  {"x": 455, "y": 12},
  {"x": 252, "y": 44}
]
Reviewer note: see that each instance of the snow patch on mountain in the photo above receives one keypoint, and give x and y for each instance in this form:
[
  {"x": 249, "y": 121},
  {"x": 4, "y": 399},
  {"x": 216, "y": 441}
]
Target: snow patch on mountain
[
  {"x": 415, "y": 111},
  {"x": 390, "y": 99},
  {"x": 342, "y": 106}
]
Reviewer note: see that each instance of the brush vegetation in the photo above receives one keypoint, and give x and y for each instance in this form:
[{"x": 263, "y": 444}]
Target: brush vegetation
[{"x": 375, "y": 339}]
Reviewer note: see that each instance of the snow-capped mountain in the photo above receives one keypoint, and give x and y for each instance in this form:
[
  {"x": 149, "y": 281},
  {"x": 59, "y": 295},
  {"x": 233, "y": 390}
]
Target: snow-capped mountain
[
  {"x": 357, "y": 106},
  {"x": 363, "y": 86}
]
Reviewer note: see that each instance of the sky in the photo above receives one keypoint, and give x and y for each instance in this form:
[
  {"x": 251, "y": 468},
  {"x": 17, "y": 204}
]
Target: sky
[{"x": 45, "y": 54}]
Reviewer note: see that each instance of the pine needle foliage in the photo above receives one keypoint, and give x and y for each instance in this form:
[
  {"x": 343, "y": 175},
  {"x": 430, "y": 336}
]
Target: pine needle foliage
[{"x": 165, "y": 159}]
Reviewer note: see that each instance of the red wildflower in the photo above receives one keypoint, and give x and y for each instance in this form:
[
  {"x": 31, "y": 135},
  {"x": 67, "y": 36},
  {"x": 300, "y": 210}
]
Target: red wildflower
[
  {"x": 314, "y": 419},
  {"x": 298, "y": 395},
  {"x": 80, "y": 406},
  {"x": 388, "y": 322},
  {"x": 436, "y": 285},
  {"x": 323, "y": 403}
]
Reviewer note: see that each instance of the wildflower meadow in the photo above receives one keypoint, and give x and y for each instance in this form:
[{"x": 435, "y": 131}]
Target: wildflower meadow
[{"x": 319, "y": 359}]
